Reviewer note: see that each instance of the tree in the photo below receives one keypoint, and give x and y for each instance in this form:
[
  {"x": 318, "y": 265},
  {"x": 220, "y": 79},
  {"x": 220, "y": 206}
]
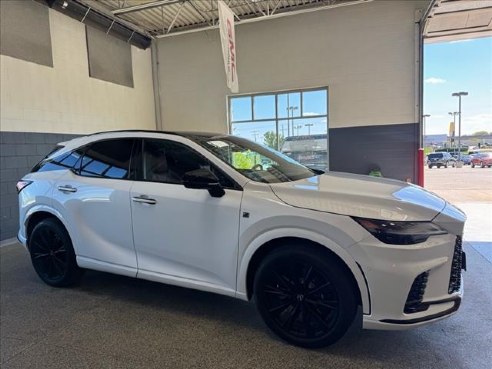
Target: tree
[
  {"x": 481, "y": 133},
  {"x": 270, "y": 140}
]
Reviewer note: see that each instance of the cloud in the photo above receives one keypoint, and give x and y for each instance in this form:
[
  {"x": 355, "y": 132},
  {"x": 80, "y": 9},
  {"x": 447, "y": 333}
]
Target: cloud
[
  {"x": 460, "y": 41},
  {"x": 434, "y": 80},
  {"x": 476, "y": 122}
]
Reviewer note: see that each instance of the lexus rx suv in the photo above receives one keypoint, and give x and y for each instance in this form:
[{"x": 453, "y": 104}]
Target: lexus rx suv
[
  {"x": 440, "y": 159},
  {"x": 222, "y": 214}
]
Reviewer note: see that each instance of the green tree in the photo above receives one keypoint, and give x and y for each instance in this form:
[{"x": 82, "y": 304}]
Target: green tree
[
  {"x": 481, "y": 133},
  {"x": 270, "y": 140}
]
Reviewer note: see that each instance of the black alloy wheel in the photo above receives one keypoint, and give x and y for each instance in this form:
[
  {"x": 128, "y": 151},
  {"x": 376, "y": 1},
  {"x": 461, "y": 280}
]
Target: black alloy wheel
[
  {"x": 304, "y": 296},
  {"x": 52, "y": 254}
]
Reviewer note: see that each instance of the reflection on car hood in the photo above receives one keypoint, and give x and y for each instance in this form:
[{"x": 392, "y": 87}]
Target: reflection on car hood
[{"x": 361, "y": 196}]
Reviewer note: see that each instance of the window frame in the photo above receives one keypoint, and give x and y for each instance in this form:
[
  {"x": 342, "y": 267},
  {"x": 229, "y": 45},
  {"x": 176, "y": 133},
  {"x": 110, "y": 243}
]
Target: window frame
[
  {"x": 84, "y": 148},
  {"x": 137, "y": 155},
  {"x": 277, "y": 119}
]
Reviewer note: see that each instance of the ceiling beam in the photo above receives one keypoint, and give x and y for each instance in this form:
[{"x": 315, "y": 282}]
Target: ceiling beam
[
  {"x": 144, "y": 6},
  {"x": 175, "y": 31}
]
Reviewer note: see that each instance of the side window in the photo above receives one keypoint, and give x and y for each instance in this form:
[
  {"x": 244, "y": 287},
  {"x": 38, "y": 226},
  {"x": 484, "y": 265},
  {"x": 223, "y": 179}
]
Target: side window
[
  {"x": 168, "y": 161},
  {"x": 67, "y": 160},
  {"x": 108, "y": 159}
]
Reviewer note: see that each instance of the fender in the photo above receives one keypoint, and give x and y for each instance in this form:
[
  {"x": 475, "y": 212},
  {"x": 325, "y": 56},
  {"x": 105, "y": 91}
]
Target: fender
[
  {"x": 36, "y": 209},
  {"x": 271, "y": 235}
]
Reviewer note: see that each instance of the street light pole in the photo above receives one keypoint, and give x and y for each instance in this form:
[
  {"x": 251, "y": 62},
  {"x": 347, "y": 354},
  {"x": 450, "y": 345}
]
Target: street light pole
[
  {"x": 423, "y": 119},
  {"x": 309, "y": 125},
  {"x": 459, "y": 94},
  {"x": 454, "y": 114}
]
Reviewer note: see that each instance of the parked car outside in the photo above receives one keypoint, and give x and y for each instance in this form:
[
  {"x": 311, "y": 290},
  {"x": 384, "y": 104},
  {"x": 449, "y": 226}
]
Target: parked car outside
[
  {"x": 466, "y": 159},
  {"x": 483, "y": 159},
  {"x": 222, "y": 214},
  {"x": 440, "y": 159}
]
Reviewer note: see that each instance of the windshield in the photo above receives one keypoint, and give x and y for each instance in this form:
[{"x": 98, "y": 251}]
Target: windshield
[{"x": 258, "y": 163}]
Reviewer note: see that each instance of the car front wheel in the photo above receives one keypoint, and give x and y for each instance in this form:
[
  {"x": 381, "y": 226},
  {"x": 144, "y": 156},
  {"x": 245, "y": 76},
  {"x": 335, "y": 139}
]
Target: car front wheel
[
  {"x": 52, "y": 254},
  {"x": 305, "y": 296}
]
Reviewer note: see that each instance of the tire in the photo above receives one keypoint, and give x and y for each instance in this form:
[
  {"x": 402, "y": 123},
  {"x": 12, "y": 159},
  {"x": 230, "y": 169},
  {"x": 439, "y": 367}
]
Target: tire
[
  {"x": 52, "y": 254},
  {"x": 305, "y": 296},
  {"x": 430, "y": 166}
]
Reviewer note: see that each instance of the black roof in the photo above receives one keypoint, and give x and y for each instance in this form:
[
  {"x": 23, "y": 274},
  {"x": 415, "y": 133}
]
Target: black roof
[{"x": 177, "y": 133}]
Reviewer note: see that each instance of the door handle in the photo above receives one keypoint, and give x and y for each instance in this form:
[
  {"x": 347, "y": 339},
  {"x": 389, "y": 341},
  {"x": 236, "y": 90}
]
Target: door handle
[
  {"x": 67, "y": 188},
  {"x": 144, "y": 199}
]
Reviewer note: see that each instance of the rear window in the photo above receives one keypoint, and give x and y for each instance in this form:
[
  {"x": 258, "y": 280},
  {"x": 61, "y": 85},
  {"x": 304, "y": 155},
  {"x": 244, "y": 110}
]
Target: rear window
[
  {"x": 67, "y": 160},
  {"x": 439, "y": 155},
  {"x": 108, "y": 159}
]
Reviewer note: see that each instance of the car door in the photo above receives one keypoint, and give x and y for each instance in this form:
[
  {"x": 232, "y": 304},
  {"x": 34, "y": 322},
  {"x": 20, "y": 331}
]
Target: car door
[
  {"x": 94, "y": 200},
  {"x": 183, "y": 235}
]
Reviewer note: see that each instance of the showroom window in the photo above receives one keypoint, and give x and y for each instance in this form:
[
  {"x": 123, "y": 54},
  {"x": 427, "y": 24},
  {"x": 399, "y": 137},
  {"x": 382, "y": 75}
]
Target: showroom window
[
  {"x": 108, "y": 159},
  {"x": 292, "y": 122}
]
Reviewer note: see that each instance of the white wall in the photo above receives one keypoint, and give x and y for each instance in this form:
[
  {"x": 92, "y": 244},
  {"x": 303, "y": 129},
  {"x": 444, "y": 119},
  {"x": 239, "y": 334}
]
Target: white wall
[
  {"x": 64, "y": 99},
  {"x": 364, "y": 53}
]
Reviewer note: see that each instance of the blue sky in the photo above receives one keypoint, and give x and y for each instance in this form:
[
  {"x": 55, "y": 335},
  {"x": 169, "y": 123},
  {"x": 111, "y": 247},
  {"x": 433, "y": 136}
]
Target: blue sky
[{"x": 458, "y": 66}]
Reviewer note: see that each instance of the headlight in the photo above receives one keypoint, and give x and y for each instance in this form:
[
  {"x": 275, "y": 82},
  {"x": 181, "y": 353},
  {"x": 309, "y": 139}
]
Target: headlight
[{"x": 400, "y": 233}]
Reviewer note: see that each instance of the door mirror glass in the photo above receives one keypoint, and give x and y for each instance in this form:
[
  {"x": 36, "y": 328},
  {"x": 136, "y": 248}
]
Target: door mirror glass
[{"x": 203, "y": 179}]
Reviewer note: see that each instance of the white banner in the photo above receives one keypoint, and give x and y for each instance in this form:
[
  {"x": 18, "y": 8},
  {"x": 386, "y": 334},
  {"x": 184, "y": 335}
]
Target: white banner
[{"x": 228, "y": 41}]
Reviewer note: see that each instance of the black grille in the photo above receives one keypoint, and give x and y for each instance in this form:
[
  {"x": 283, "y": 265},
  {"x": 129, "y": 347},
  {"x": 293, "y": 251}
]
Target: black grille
[
  {"x": 416, "y": 294},
  {"x": 455, "y": 278}
]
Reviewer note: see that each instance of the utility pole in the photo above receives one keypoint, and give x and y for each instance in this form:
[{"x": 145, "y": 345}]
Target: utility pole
[
  {"x": 454, "y": 114},
  {"x": 309, "y": 125},
  {"x": 255, "y": 134},
  {"x": 459, "y": 94}
]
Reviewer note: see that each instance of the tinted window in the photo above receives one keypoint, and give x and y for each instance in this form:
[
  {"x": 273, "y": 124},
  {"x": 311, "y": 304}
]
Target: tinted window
[
  {"x": 168, "y": 161},
  {"x": 108, "y": 159},
  {"x": 435, "y": 155},
  {"x": 258, "y": 163},
  {"x": 67, "y": 160}
]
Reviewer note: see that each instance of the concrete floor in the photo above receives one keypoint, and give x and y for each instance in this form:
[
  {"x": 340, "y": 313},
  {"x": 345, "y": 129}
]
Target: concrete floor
[{"x": 117, "y": 322}]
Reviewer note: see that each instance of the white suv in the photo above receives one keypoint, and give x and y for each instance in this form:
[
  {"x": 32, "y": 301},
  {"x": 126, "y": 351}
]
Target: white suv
[{"x": 222, "y": 214}]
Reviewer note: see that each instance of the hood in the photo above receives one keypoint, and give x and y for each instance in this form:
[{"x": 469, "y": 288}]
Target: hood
[{"x": 361, "y": 196}]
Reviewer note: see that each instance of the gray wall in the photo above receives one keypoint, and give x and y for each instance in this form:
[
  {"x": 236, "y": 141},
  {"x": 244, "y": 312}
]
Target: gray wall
[
  {"x": 364, "y": 53},
  {"x": 391, "y": 148},
  {"x": 19, "y": 152},
  {"x": 25, "y": 31},
  {"x": 110, "y": 58}
]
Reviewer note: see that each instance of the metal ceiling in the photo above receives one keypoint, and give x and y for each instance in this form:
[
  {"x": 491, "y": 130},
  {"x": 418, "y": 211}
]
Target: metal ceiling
[
  {"x": 450, "y": 20},
  {"x": 170, "y": 17}
]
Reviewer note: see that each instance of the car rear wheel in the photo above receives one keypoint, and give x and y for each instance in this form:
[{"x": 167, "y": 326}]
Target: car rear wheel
[
  {"x": 304, "y": 296},
  {"x": 52, "y": 254}
]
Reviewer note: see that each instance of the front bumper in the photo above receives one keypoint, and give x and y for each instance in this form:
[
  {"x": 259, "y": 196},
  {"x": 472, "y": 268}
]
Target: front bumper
[{"x": 400, "y": 297}]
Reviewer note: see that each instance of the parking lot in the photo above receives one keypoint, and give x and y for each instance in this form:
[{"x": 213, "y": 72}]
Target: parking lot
[
  {"x": 117, "y": 322},
  {"x": 459, "y": 185}
]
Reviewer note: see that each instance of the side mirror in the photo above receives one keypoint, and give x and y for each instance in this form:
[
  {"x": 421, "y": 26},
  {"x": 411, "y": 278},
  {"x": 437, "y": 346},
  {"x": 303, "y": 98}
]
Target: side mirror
[{"x": 203, "y": 179}]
